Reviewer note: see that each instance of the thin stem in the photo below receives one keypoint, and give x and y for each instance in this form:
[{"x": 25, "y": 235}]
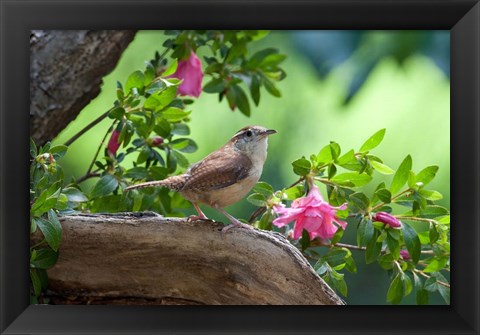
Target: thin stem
[
  {"x": 87, "y": 128},
  {"x": 423, "y": 274},
  {"x": 393, "y": 198},
  {"x": 39, "y": 243},
  {"x": 414, "y": 218},
  {"x": 349, "y": 246},
  {"x": 88, "y": 173},
  {"x": 87, "y": 176},
  {"x": 325, "y": 181}
]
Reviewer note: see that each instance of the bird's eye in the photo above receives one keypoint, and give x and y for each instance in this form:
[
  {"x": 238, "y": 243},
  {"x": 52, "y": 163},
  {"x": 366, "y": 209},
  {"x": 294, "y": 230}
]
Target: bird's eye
[{"x": 249, "y": 133}]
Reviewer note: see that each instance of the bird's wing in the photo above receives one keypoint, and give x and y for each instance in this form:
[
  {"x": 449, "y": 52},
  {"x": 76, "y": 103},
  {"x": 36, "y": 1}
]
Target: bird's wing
[{"x": 217, "y": 171}]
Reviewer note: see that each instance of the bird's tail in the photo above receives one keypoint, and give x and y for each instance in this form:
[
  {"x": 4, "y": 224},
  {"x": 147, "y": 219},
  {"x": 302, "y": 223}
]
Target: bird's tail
[{"x": 174, "y": 183}]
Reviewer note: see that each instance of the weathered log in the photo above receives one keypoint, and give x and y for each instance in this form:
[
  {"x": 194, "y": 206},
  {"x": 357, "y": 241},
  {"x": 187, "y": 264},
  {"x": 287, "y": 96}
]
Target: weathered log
[
  {"x": 66, "y": 71},
  {"x": 144, "y": 258}
]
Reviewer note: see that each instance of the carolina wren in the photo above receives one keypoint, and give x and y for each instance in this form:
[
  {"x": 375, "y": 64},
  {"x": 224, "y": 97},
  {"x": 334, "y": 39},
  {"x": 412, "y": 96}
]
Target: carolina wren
[{"x": 223, "y": 177}]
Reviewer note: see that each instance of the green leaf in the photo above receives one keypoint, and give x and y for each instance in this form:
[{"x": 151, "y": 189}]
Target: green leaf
[
  {"x": 184, "y": 145},
  {"x": 305, "y": 240},
  {"x": 373, "y": 141},
  {"x": 104, "y": 186},
  {"x": 336, "y": 256},
  {"x": 426, "y": 175},
  {"x": 382, "y": 168},
  {"x": 360, "y": 200},
  {"x": 257, "y": 199},
  {"x": 45, "y": 258},
  {"x": 263, "y": 188},
  {"x": 393, "y": 246},
  {"x": 349, "y": 161},
  {"x": 325, "y": 155},
  {"x": 181, "y": 159},
  {"x": 407, "y": 282},
  {"x": 135, "y": 80},
  {"x": 352, "y": 179},
  {"x": 216, "y": 85},
  {"x": 271, "y": 88},
  {"x": 445, "y": 293},
  {"x": 259, "y": 56},
  {"x": 332, "y": 170},
  {"x": 395, "y": 292},
  {"x": 117, "y": 113},
  {"x": 433, "y": 233},
  {"x": 143, "y": 155},
  {"x": 301, "y": 166},
  {"x": 386, "y": 261},
  {"x": 422, "y": 297},
  {"x": 36, "y": 283},
  {"x": 171, "y": 162},
  {"x": 74, "y": 194},
  {"x": 52, "y": 230},
  {"x": 436, "y": 264},
  {"x": 171, "y": 68},
  {"x": 350, "y": 265},
  {"x": 340, "y": 285},
  {"x": 137, "y": 172},
  {"x": 335, "y": 150},
  {"x": 160, "y": 99},
  {"x": 384, "y": 195},
  {"x": 401, "y": 176},
  {"x": 265, "y": 222},
  {"x": 365, "y": 232},
  {"x": 255, "y": 90},
  {"x": 412, "y": 242},
  {"x": 294, "y": 192},
  {"x": 337, "y": 236},
  {"x": 33, "y": 148},
  {"x": 174, "y": 114},
  {"x": 181, "y": 129},
  {"x": 58, "y": 151},
  {"x": 241, "y": 100},
  {"x": 373, "y": 250},
  {"x": 430, "y": 195},
  {"x": 107, "y": 204}
]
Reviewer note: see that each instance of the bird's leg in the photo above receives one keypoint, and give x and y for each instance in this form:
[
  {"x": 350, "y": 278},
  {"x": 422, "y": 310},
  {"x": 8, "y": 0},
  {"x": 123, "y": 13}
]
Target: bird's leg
[
  {"x": 235, "y": 222},
  {"x": 200, "y": 216}
]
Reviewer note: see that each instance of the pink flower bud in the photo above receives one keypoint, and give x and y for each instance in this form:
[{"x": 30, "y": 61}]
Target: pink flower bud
[
  {"x": 113, "y": 143},
  {"x": 190, "y": 71},
  {"x": 156, "y": 141},
  {"x": 387, "y": 219},
  {"x": 404, "y": 254}
]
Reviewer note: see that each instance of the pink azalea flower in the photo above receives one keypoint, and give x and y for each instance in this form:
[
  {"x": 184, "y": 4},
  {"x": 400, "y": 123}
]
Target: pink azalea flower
[
  {"x": 113, "y": 143},
  {"x": 387, "y": 219},
  {"x": 404, "y": 254},
  {"x": 190, "y": 70},
  {"x": 311, "y": 213}
]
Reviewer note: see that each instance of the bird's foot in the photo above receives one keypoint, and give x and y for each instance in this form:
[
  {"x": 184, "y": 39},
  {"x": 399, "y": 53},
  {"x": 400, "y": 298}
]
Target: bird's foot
[
  {"x": 236, "y": 224},
  {"x": 197, "y": 218}
]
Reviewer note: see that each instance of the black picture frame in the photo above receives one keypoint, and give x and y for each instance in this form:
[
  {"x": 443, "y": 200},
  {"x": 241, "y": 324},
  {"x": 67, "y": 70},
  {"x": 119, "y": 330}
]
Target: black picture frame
[{"x": 461, "y": 17}]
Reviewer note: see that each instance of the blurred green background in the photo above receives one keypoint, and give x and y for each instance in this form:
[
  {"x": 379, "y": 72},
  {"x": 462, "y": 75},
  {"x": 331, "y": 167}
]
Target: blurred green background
[{"x": 340, "y": 86}]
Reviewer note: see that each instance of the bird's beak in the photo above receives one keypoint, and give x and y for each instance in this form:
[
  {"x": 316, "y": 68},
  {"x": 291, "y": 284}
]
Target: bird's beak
[{"x": 270, "y": 132}]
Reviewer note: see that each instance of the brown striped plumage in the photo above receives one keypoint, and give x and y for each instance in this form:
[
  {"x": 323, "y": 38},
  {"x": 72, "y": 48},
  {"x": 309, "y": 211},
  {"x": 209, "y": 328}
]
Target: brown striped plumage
[{"x": 225, "y": 176}]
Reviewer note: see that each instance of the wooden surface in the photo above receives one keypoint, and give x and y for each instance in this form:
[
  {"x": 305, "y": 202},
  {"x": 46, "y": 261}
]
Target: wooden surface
[
  {"x": 66, "y": 71},
  {"x": 144, "y": 258}
]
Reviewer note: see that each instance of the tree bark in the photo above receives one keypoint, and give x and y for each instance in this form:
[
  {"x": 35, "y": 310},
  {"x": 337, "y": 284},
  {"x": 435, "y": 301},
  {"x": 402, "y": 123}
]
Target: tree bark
[
  {"x": 66, "y": 71},
  {"x": 144, "y": 258}
]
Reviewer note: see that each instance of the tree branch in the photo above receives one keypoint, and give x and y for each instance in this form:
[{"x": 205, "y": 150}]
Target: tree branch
[
  {"x": 146, "y": 258},
  {"x": 67, "y": 67}
]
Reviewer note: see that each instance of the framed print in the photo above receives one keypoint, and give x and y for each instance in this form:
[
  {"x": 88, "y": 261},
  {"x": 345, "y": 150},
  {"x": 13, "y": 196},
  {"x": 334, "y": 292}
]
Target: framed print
[{"x": 355, "y": 228}]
